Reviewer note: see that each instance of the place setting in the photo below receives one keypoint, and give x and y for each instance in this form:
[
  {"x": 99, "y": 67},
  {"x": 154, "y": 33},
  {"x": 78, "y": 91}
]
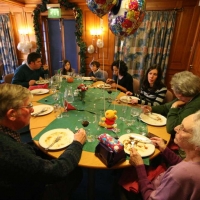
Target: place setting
[
  {"x": 41, "y": 110},
  {"x": 39, "y": 91}
]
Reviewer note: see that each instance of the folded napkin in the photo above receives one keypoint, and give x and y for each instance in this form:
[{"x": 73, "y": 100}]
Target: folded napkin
[
  {"x": 111, "y": 142},
  {"x": 129, "y": 180},
  {"x": 33, "y": 87},
  {"x": 68, "y": 106}
]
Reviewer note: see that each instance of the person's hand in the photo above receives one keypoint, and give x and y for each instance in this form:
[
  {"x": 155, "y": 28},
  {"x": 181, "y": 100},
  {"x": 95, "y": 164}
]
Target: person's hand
[
  {"x": 80, "y": 136},
  {"x": 146, "y": 109},
  {"x": 31, "y": 82},
  {"x": 135, "y": 158},
  {"x": 93, "y": 78},
  {"x": 178, "y": 103},
  {"x": 134, "y": 101},
  {"x": 129, "y": 93},
  {"x": 109, "y": 81},
  {"x": 45, "y": 67},
  {"x": 159, "y": 143}
]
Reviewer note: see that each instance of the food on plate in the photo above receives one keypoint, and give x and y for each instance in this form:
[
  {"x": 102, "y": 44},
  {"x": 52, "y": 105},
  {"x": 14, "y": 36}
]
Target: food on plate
[
  {"x": 154, "y": 117},
  {"x": 104, "y": 85},
  {"x": 42, "y": 81},
  {"x": 51, "y": 138},
  {"x": 139, "y": 145}
]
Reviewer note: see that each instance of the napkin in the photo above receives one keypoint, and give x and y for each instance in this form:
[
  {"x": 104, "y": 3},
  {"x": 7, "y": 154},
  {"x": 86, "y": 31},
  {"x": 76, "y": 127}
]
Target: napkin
[
  {"x": 33, "y": 87},
  {"x": 111, "y": 142},
  {"x": 68, "y": 106},
  {"x": 129, "y": 180}
]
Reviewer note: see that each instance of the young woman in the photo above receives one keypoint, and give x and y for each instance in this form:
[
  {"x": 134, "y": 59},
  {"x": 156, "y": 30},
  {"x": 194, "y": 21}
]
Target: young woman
[
  {"x": 152, "y": 90},
  {"x": 67, "y": 67},
  {"x": 122, "y": 80}
]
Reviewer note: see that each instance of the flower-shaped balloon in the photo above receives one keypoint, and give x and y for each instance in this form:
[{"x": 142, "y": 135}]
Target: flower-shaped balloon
[
  {"x": 100, "y": 7},
  {"x": 125, "y": 18}
]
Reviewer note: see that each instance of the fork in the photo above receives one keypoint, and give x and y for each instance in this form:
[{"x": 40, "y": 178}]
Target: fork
[
  {"x": 41, "y": 111},
  {"x": 56, "y": 140}
]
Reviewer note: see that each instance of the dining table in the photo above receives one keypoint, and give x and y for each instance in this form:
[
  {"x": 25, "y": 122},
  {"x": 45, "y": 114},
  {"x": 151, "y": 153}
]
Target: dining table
[{"x": 95, "y": 103}]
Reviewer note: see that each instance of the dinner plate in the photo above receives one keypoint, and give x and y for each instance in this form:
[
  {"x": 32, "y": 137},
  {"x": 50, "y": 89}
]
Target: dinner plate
[
  {"x": 39, "y": 91},
  {"x": 127, "y": 99},
  {"x": 143, "y": 146},
  {"x": 48, "y": 109},
  {"x": 67, "y": 137},
  {"x": 153, "y": 119},
  {"x": 41, "y": 82},
  {"x": 86, "y": 78},
  {"x": 104, "y": 86}
]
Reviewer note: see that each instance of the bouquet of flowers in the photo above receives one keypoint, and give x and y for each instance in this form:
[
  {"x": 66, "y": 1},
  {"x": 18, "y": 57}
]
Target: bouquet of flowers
[{"x": 82, "y": 89}]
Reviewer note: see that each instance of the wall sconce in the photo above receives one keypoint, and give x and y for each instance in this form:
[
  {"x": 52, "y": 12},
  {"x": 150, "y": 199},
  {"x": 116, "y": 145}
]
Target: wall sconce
[{"x": 95, "y": 33}]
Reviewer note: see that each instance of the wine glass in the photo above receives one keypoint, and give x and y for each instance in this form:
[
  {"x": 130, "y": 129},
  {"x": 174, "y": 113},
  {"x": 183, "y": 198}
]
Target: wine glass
[{"x": 109, "y": 92}]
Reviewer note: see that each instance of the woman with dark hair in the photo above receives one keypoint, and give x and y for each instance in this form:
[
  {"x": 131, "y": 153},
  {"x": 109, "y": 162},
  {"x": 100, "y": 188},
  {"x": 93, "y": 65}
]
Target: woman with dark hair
[
  {"x": 122, "y": 80},
  {"x": 152, "y": 90},
  {"x": 67, "y": 67}
]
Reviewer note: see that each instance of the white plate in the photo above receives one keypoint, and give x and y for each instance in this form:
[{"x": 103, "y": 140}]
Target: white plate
[
  {"x": 39, "y": 91},
  {"x": 86, "y": 78},
  {"x": 153, "y": 119},
  {"x": 127, "y": 99},
  {"x": 104, "y": 86},
  {"x": 41, "y": 82},
  {"x": 144, "y": 149},
  {"x": 38, "y": 108},
  {"x": 67, "y": 137}
]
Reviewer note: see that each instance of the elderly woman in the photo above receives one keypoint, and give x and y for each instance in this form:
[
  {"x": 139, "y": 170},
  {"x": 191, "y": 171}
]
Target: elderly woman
[
  {"x": 181, "y": 180},
  {"x": 186, "y": 88},
  {"x": 153, "y": 90},
  {"x": 122, "y": 80},
  {"x": 24, "y": 173}
]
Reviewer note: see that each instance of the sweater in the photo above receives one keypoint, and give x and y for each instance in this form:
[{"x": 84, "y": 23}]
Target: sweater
[
  {"x": 180, "y": 181},
  {"x": 152, "y": 98},
  {"x": 126, "y": 81},
  {"x": 24, "y": 174},
  {"x": 23, "y": 74},
  {"x": 99, "y": 75},
  {"x": 176, "y": 115}
]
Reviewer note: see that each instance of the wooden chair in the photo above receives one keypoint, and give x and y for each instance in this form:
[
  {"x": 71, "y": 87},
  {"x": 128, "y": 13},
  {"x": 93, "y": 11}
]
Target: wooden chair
[
  {"x": 169, "y": 97},
  {"x": 136, "y": 85},
  {"x": 8, "y": 78},
  {"x": 105, "y": 74}
]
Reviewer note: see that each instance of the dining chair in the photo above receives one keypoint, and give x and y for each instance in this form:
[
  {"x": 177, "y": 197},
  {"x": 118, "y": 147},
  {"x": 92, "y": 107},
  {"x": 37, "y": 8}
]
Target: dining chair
[
  {"x": 136, "y": 85},
  {"x": 105, "y": 73},
  {"x": 169, "y": 97},
  {"x": 8, "y": 78}
]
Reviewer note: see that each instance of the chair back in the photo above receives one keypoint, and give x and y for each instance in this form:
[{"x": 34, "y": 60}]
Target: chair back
[
  {"x": 8, "y": 78},
  {"x": 169, "y": 97},
  {"x": 105, "y": 73},
  {"x": 136, "y": 85}
]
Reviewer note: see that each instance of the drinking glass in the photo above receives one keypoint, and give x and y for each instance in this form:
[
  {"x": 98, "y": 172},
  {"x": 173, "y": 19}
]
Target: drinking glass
[
  {"x": 58, "y": 111},
  {"x": 70, "y": 95},
  {"x": 109, "y": 92}
]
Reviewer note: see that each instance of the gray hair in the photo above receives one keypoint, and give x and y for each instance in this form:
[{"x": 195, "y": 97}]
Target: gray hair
[
  {"x": 12, "y": 96},
  {"x": 185, "y": 83},
  {"x": 195, "y": 130}
]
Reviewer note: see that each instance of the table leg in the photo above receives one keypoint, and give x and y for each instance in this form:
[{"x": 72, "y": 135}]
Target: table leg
[{"x": 91, "y": 184}]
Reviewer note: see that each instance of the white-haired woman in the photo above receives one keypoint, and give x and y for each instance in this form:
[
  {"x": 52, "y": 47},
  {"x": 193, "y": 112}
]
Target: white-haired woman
[
  {"x": 186, "y": 88},
  {"x": 182, "y": 178},
  {"x": 24, "y": 173}
]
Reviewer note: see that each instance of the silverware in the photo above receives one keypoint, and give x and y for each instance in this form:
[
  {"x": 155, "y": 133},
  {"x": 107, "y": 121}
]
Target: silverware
[
  {"x": 56, "y": 140},
  {"x": 132, "y": 143},
  {"x": 41, "y": 111}
]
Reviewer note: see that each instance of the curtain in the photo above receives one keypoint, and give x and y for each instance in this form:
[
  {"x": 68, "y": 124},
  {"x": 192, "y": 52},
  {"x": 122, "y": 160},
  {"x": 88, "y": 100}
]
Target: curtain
[
  {"x": 7, "y": 51},
  {"x": 150, "y": 44}
]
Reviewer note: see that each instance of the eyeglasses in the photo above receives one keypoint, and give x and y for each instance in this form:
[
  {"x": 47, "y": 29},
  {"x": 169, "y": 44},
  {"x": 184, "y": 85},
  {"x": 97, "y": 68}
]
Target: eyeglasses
[
  {"x": 29, "y": 106},
  {"x": 181, "y": 128}
]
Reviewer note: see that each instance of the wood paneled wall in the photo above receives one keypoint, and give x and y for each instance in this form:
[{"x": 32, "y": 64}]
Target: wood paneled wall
[{"x": 183, "y": 41}]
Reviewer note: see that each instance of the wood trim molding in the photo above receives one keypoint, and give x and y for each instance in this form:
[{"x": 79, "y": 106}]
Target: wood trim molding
[{"x": 13, "y": 3}]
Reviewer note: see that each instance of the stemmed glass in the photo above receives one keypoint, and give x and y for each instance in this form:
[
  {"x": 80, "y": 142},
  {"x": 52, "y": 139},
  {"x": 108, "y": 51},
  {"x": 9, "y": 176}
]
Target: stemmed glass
[
  {"x": 109, "y": 92},
  {"x": 135, "y": 112}
]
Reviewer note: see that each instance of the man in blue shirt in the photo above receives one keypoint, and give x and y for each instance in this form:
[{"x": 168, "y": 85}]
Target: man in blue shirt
[{"x": 27, "y": 74}]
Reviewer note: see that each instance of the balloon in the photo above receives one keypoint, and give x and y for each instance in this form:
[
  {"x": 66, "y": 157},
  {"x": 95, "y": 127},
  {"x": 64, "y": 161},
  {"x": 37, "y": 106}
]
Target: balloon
[
  {"x": 100, "y": 7},
  {"x": 125, "y": 18},
  {"x": 28, "y": 45},
  {"x": 21, "y": 46},
  {"x": 91, "y": 49},
  {"x": 25, "y": 50},
  {"x": 99, "y": 43}
]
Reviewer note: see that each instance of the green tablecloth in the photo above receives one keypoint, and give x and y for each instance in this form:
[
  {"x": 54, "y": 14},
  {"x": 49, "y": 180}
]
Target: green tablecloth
[{"x": 93, "y": 96}]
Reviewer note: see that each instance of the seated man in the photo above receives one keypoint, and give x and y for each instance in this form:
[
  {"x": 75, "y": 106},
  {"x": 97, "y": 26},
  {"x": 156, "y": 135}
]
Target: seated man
[
  {"x": 27, "y": 74},
  {"x": 25, "y": 172},
  {"x": 97, "y": 74}
]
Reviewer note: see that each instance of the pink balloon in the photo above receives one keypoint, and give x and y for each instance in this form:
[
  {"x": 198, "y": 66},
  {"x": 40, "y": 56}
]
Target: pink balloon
[
  {"x": 125, "y": 18},
  {"x": 100, "y": 7}
]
